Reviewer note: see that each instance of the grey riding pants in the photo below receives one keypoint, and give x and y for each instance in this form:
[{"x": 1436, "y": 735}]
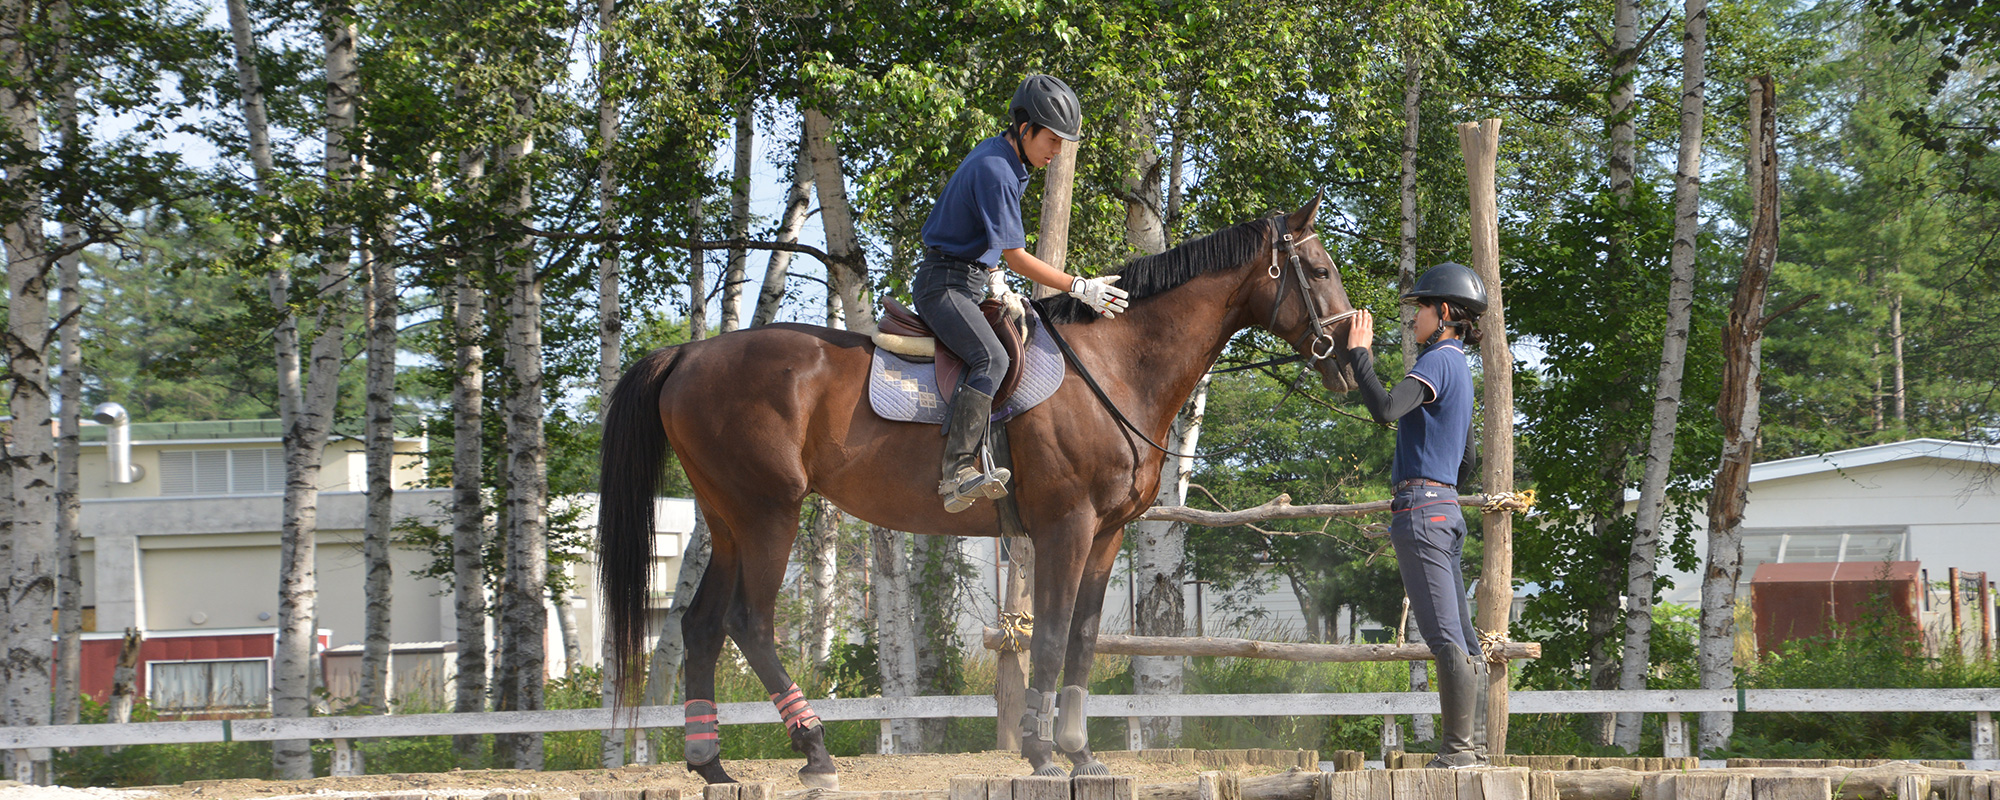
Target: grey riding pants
[
  {"x": 1427, "y": 528},
  {"x": 947, "y": 293}
]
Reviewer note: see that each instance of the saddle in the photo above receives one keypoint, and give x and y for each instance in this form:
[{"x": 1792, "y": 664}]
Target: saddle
[{"x": 904, "y": 333}]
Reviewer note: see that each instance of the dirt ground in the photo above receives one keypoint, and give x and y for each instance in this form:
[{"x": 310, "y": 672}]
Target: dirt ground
[{"x": 859, "y": 773}]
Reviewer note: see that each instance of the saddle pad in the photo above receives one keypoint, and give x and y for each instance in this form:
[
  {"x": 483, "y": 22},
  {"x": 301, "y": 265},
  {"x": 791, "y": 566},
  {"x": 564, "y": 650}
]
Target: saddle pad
[{"x": 904, "y": 391}]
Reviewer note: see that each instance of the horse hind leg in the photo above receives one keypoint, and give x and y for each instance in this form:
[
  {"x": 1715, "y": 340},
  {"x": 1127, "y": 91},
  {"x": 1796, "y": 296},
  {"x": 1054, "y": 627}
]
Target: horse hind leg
[
  {"x": 702, "y": 631},
  {"x": 750, "y": 624}
]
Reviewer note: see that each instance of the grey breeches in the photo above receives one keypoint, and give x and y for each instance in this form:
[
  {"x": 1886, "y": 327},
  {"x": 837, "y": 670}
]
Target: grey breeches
[
  {"x": 947, "y": 294},
  {"x": 1427, "y": 528}
]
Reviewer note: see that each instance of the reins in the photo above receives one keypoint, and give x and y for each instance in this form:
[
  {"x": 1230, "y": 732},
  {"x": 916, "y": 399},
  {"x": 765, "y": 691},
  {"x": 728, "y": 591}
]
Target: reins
[{"x": 1281, "y": 243}]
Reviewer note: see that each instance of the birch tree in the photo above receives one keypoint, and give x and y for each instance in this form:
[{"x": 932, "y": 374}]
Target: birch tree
[
  {"x": 1636, "y": 660},
  {"x": 31, "y": 452},
  {"x": 847, "y": 278},
  {"x": 69, "y": 506},
  {"x": 523, "y": 614},
  {"x": 1738, "y": 411},
  {"x": 895, "y": 631},
  {"x": 380, "y": 305},
  {"x": 798, "y": 201},
  {"x": 610, "y": 317}
]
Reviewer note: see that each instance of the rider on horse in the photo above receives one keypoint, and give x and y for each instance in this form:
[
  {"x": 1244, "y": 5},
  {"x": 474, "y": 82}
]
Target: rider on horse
[
  {"x": 974, "y": 228},
  {"x": 1433, "y": 409}
]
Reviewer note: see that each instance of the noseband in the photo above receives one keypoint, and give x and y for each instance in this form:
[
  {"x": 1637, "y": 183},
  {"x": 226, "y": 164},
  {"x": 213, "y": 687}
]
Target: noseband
[{"x": 1315, "y": 343}]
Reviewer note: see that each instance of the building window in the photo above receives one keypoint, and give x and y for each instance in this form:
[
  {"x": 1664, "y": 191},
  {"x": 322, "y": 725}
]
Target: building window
[
  {"x": 209, "y": 685},
  {"x": 1819, "y": 546},
  {"x": 258, "y": 470}
]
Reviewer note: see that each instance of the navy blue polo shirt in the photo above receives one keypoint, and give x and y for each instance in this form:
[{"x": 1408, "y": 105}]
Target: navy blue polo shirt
[
  {"x": 979, "y": 213},
  {"x": 1430, "y": 440}
]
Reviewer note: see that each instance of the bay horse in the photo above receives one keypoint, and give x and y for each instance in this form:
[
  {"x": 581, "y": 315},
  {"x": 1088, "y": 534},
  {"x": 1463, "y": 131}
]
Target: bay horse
[{"x": 763, "y": 417}]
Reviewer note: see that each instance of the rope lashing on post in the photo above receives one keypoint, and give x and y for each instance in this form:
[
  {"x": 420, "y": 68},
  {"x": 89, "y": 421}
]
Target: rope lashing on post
[
  {"x": 1516, "y": 502},
  {"x": 1016, "y": 629},
  {"x": 1490, "y": 643}
]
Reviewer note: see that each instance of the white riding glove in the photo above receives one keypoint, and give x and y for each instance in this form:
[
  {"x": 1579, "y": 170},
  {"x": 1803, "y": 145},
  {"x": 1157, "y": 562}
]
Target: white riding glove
[
  {"x": 996, "y": 284},
  {"x": 1100, "y": 295}
]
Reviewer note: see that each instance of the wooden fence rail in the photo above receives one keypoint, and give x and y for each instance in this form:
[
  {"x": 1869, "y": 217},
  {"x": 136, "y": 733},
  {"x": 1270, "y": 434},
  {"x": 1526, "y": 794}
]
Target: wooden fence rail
[{"x": 1673, "y": 703}]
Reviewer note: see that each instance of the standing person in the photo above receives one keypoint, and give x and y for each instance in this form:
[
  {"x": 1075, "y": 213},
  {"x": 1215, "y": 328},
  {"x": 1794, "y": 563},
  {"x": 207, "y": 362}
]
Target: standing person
[
  {"x": 974, "y": 229},
  {"x": 1432, "y": 409}
]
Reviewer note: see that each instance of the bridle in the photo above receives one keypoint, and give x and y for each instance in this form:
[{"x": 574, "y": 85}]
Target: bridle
[
  {"x": 1281, "y": 244},
  {"x": 1315, "y": 336}
]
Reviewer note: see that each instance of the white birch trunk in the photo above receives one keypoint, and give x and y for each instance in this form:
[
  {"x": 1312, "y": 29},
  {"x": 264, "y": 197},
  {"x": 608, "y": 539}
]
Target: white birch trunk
[
  {"x": 380, "y": 304},
  {"x": 523, "y": 614},
  {"x": 1742, "y": 343},
  {"x": 32, "y": 555},
  {"x": 895, "y": 630},
  {"x": 1160, "y": 570},
  {"x": 822, "y": 575},
  {"x": 798, "y": 200},
  {"x": 1624, "y": 73},
  {"x": 1641, "y": 569},
  {"x": 1145, "y": 224},
  {"x": 69, "y": 578},
  {"x": 565, "y": 614},
  {"x": 847, "y": 278},
  {"x": 739, "y": 219},
  {"x": 697, "y": 274},
  {"x": 468, "y": 507},
  {"x": 306, "y": 431},
  {"x": 610, "y": 316}
]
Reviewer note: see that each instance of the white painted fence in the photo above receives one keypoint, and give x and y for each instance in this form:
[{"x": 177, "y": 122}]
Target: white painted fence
[{"x": 1673, "y": 703}]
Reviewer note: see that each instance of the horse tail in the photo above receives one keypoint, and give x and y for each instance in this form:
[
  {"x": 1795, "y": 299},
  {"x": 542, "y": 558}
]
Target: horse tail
[{"x": 632, "y": 461}]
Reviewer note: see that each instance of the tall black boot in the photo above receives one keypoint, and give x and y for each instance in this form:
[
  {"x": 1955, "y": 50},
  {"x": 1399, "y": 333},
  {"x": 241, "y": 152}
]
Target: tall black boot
[
  {"x": 1457, "y": 703},
  {"x": 963, "y": 483}
]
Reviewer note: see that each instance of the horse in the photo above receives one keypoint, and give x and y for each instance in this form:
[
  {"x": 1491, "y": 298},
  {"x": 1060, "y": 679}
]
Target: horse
[{"x": 762, "y": 417}]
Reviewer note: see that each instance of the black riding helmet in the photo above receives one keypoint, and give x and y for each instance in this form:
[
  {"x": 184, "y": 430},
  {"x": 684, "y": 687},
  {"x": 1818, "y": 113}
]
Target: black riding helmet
[
  {"x": 1046, "y": 101},
  {"x": 1453, "y": 283}
]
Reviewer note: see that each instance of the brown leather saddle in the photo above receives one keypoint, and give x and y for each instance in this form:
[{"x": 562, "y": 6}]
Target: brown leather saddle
[{"x": 901, "y": 321}]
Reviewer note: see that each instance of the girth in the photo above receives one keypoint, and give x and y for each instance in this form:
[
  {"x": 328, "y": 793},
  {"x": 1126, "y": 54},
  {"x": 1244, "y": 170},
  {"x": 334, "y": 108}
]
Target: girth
[{"x": 899, "y": 320}]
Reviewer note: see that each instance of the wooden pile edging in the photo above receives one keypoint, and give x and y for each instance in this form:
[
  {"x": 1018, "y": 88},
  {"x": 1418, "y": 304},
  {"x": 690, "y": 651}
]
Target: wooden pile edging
[
  {"x": 1401, "y": 760},
  {"x": 658, "y": 794},
  {"x": 1855, "y": 763},
  {"x": 1307, "y": 760},
  {"x": 1082, "y": 787}
]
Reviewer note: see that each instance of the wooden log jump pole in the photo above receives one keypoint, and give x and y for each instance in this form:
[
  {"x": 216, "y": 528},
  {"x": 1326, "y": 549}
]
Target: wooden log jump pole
[{"x": 1281, "y": 507}]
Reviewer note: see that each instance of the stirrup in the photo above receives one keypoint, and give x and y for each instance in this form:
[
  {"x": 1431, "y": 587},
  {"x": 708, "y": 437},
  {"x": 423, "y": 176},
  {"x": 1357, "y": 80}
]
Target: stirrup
[{"x": 971, "y": 485}]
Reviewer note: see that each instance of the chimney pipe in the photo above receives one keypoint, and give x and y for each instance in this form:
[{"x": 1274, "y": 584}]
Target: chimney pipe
[{"x": 118, "y": 442}]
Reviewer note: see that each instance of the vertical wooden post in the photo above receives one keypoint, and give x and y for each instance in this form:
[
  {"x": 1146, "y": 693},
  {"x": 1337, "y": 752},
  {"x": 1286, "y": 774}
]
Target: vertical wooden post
[
  {"x": 1985, "y": 617},
  {"x": 1051, "y": 245},
  {"x": 1480, "y": 143},
  {"x": 1957, "y": 609}
]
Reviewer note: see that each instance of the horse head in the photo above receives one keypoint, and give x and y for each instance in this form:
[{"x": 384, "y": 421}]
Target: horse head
[{"x": 1300, "y": 297}]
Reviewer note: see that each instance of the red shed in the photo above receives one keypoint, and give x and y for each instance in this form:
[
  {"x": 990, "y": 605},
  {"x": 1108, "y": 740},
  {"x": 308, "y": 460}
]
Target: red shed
[
  {"x": 1798, "y": 601},
  {"x": 212, "y": 670}
]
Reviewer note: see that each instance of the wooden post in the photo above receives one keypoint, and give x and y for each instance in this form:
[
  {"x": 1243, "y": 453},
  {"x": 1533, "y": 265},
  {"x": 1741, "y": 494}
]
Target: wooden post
[
  {"x": 1986, "y": 617},
  {"x": 1010, "y": 686},
  {"x": 1957, "y": 609},
  {"x": 1480, "y": 143}
]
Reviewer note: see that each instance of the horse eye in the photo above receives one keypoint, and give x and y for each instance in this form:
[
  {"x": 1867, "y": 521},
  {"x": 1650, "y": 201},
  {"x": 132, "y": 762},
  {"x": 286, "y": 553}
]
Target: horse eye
[{"x": 1321, "y": 272}]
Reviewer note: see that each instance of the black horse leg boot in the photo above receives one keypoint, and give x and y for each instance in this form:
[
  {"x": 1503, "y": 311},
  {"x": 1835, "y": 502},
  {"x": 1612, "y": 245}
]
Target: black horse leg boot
[
  {"x": 963, "y": 482},
  {"x": 1457, "y": 704}
]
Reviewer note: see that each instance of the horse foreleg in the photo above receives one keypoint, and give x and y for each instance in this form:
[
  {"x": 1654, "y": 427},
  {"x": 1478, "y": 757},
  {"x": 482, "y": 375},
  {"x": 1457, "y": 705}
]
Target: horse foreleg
[
  {"x": 1059, "y": 563},
  {"x": 702, "y": 630},
  {"x": 1082, "y": 652}
]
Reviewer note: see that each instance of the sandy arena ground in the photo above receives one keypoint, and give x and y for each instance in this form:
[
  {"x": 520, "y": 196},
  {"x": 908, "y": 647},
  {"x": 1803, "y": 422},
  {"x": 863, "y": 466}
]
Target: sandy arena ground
[{"x": 860, "y": 773}]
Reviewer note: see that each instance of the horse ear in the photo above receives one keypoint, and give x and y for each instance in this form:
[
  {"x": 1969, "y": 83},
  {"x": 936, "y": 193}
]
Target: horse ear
[{"x": 1304, "y": 218}]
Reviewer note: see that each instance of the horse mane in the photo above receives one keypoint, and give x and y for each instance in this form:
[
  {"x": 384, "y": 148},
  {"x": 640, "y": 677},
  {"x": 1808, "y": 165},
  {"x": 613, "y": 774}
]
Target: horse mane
[{"x": 1146, "y": 276}]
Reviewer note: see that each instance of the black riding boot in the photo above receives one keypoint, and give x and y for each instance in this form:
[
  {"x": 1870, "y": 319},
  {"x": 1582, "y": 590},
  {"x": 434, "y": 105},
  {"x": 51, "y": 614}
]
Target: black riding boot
[
  {"x": 963, "y": 483},
  {"x": 1457, "y": 705}
]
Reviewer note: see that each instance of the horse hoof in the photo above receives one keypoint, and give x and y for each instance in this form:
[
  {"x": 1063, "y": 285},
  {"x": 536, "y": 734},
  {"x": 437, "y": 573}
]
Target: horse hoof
[
  {"x": 820, "y": 780},
  {"x": 711, "y": 772},
  {"x": 1091, "y": 767},
  {"x": 1050, "y": 770}
]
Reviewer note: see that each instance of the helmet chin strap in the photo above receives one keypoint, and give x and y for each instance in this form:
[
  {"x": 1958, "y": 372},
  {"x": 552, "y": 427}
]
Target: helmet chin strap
[
  {"x": 1014, "y": 134},
  {"x": 1442, "y": 324}
]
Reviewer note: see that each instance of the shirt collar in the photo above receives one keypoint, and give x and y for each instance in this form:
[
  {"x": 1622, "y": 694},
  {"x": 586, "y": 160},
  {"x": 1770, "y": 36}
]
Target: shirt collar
[
  {"x": 1013, "y": 156},
  {"x": 1444, "y": 343}
]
